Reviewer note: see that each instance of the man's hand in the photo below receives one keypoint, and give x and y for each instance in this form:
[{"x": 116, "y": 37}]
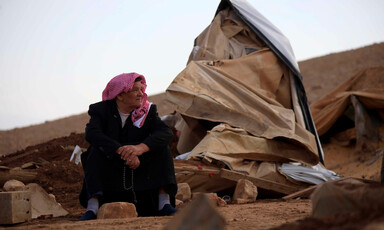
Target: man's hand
[
  {"x": 130, "y": 153},
  {"x": 134, "y": 163}
]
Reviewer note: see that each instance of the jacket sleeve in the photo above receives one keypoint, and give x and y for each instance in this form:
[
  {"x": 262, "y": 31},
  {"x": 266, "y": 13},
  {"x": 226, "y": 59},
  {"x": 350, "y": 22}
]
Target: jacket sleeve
[
  {"x": 94, "y": 132},
  {"x": 160, "y": 133}
]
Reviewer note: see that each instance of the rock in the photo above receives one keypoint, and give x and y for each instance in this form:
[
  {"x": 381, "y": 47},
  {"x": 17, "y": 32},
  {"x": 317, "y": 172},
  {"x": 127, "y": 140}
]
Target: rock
[
  {"x": 212, "y": 197},
  {"x": 117, "y": 210},
  {"x": 220, "y": 202},
  {"x": 201, "y": 214},
  {"x": 179, "y": 203},
  {"x": 52, "y": 196},
  {"x": 241, "y": 201},
  {"x": 13, "y": 185},
  {"x": 183, "y": 192},
  {"x": 245, "y": 192},
  {"x": 24, "y": 176},
  {"x": 29, "y": 165},
  {"x": 347, "y": 196}
]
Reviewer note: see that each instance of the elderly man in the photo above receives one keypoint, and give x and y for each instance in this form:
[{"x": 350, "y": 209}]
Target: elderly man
[{"x": 128, "y": 159}]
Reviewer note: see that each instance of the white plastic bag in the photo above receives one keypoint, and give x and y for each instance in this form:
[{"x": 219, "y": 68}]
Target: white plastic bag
[{"x": 76, "y": 155}]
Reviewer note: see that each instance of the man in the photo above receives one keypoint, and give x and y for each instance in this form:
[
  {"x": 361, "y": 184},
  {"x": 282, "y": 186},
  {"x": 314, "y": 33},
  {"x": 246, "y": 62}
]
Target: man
[{"x": 128, "y": 159}]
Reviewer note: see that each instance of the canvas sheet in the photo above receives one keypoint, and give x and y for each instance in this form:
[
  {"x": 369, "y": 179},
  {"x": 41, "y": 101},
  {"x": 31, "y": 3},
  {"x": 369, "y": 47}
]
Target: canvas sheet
[
  {"x": 234, "y": 92},
  {"x": 199, "y": 182},
  {"x": 224, "y": 141},
  {"x": 368, "y": 88},
  {"x": 235, "y": 80},
  {"x": 270, "y": 31}
]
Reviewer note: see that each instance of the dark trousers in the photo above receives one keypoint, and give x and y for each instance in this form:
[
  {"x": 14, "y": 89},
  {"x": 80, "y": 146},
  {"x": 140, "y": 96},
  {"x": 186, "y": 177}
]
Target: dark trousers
[
  {"x": 92, "y": 165},
  {"x": 94, "y": 161}
]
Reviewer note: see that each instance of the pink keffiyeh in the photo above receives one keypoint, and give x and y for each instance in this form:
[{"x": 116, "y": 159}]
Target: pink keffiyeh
[{"x": 124, "y": 83}]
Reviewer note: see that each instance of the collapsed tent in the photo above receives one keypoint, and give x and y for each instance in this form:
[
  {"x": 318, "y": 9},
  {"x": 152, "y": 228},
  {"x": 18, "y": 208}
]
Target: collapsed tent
[
  {"x": 241, "y": 96},
  {"x": 355, "y": 108}
]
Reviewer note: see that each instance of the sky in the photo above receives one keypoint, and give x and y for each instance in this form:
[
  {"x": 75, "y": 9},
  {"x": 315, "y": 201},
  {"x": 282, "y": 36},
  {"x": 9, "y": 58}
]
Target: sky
[{"x": 56, "y": 56}]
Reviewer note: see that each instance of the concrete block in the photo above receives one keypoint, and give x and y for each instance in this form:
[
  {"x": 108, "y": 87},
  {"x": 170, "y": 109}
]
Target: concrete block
[
  {"x": 42, "y": 204},
  {"x": 15, "y": 207},
  {"x": 117, "y": 210}
]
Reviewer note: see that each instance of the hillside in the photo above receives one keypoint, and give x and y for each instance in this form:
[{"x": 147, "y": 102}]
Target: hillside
[
  {"x": 320, "y": 76},
  {"x": 19, "y": 138}
]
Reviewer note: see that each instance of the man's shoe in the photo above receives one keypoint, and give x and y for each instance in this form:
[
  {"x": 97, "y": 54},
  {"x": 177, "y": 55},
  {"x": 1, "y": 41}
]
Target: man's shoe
[
  {"x": 88, "y": 215},
  {"x": 167, "y": 210}
]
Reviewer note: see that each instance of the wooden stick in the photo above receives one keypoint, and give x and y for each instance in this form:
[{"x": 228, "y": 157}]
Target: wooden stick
[
  {"x": 196, "y": 169},
  {"x": 12, "y": 158},
  {"x": 21, "y": 175},
  {"x": 308, "y": 191},
  {"x": 302, "y": 193},
  {"x": 262, "y": 183}
]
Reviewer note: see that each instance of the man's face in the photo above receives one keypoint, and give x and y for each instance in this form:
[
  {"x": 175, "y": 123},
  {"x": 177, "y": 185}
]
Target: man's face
[{"x": 132, "y": 98}]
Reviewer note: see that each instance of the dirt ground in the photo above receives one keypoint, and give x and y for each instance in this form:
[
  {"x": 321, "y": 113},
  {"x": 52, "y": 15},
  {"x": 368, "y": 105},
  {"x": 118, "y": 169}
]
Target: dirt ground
[
  {"x": 52, "y": 160},
  {"x": 53, "y": 157}
]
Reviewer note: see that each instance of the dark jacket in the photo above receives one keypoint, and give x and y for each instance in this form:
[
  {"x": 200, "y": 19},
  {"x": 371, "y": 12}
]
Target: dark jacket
[{"x": 105, "y": 135}]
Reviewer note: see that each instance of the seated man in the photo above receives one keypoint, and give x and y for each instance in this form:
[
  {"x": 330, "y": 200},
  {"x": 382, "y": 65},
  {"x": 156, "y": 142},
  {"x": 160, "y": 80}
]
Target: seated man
[{"x": 128, "y": 159}]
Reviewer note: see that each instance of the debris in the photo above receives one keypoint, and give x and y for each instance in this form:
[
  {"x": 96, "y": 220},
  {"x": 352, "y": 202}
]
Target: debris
[
  {"x": 41, "y": 161},
  {"x": 24, "y": 176},
  {"x": 29, "y": 165},
  {"x": 117, "y": 210},
  {"x": 227, "y": 198},
  {"x": 199, "y": 170},
  {"x": 179, "y": 203},
  {"x": 19, "y": 156},
  {"x": 218, "y": 201},
  {"x": 76, "y": 155},
  {"x": 15, "y": 207},
  {"x": 42, "y": 204},
  {"x": 347, "y": 196},
  {"x": 309, "y": 174},
  {"x": 305, "y": 193},
  {"x": 13, "y": 185},
  {"x": 259, "y": 182},
  {"x": 207, "y": 160},
  {"x": 199, "y": 214},
  {"x": 245, "y": 192},
  {"x": 183, "y": 192}
]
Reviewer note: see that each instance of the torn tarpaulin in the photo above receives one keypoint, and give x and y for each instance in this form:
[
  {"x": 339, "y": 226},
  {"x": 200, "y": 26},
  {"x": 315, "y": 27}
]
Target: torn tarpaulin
[{"x": 309, "y": 174}]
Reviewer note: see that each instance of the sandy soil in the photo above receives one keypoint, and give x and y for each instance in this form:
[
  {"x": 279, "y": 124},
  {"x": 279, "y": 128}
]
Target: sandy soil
[
  {"x": 263, "y": 214},
  {"x": 52, "y": 160}
]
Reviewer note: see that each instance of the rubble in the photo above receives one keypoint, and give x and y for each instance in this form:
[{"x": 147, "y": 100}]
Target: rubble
[
  {"x": 117, "y": 210},
  {"x": 245, "y": 192}
]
